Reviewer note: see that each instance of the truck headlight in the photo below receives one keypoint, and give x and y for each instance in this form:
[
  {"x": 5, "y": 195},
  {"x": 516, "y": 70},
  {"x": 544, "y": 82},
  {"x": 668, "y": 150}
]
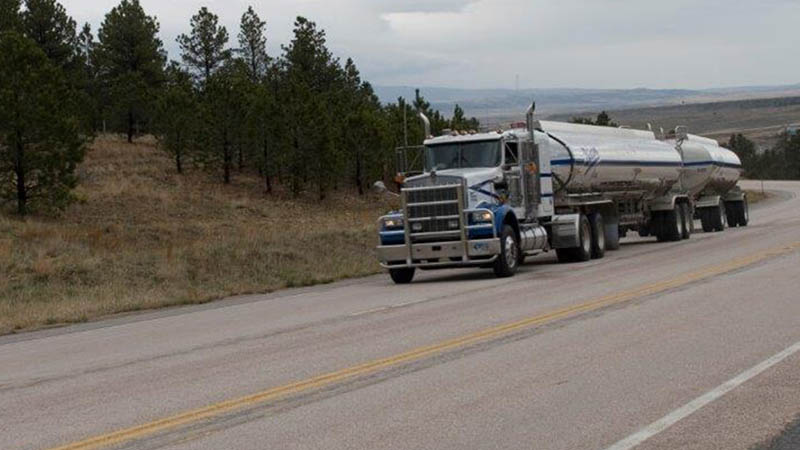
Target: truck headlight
[
  {"x": 481, "y": 217},
  {"x": 393, "y": 223}
]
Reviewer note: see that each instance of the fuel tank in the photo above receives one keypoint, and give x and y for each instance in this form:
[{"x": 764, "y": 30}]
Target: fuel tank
[
  {"x": 709, "y": 169},
  {"x": 622, "y": 162}
]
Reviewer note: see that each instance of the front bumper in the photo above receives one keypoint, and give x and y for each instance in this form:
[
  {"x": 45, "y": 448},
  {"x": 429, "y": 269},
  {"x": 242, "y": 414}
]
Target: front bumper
[{"x": 439, "y": 254}]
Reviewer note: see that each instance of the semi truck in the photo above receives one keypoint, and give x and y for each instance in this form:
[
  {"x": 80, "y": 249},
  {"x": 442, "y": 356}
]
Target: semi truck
[{"x": 492, "y": 199}]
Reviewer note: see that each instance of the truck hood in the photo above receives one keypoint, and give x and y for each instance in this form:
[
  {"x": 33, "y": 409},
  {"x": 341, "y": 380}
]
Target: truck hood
[{"x": 479, "y": 181}]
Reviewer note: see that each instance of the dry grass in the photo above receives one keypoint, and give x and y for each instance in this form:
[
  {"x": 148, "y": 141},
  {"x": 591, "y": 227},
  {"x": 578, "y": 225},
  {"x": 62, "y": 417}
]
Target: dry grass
[
  {"x": 755, "y": 196},
  {"x": 144, "y": 237}
]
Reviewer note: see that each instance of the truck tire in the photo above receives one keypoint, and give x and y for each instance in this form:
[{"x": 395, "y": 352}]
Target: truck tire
[
  {"x": 583, "y": 252},
  {"x": 598, "y": 235},
  {"x": 671, "y": 226},
  {"x": 507, "y": 262},
  {"x": 706, "y": 219},
  {"x": 612, "y": 235},
  {"x": 718, "y": 217},
  {"x": 402, "y": 275},
  {"x": 744, "y": 213},
  {"x": 732, "y": 213},
  {"x": 688, "y": 221}
]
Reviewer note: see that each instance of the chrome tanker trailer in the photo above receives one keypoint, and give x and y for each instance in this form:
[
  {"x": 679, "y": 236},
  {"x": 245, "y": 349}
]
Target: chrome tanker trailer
[
  {"x": 709, "y": 177},
  {"x": 490, "y": 199}
]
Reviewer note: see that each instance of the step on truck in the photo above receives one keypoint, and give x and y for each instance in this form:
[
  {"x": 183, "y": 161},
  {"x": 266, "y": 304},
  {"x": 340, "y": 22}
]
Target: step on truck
[{"x": 492, "y": 199}]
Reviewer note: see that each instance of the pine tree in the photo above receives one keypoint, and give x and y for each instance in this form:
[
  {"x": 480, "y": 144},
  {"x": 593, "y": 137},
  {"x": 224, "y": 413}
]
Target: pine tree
[
  {"x": 458, "y": 122},
  {"x": 253, "y": 43},
  {"x": 40, "y": 139},
  {"x": 177, "y": 115},
  {"x": 9, "y": 15},
  {"x": 311, "y": 75},
  {"x": 47, "y": 23},
  {"x": 604, "y": 120},
  {"x": 86, "y": 45},
  {"x": 204, "y": 49},
  {"x": 130, "y": 59},
  {"x": 225, "y": 104},
  {"x": 746, "y": 150}
]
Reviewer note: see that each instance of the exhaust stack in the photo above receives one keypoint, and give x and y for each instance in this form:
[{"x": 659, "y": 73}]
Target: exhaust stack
[{"x": 426, "y": 123}]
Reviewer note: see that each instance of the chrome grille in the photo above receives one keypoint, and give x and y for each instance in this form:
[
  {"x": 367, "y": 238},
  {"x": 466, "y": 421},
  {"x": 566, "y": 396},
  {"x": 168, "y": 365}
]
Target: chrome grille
[{"x": 434, "y": 209}]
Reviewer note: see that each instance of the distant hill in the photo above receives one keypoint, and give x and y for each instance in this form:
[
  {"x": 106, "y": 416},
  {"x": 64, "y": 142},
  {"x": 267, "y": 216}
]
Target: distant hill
[
  {"x": 494, "y": 106},
  {"x": 761, "y": 120}
]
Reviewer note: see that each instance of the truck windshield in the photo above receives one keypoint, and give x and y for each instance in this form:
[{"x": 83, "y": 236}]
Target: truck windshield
[{"x": 462, "y": 155}]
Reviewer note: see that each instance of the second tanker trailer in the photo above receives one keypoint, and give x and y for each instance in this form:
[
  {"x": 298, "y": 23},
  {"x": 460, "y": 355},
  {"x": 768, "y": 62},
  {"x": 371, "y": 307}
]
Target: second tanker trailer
[{"x": 491, "y": 199}]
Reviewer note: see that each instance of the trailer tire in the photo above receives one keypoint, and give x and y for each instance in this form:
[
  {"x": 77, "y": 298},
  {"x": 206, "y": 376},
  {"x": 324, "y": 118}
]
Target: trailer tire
[
  {"x": 583, "y": 252},
  {"x": 598, "y": 235},
  {"x": 718, "y": 217},
  {"x": 402, "y": 275},
  {"x": 670, "y": 228},
  {"x": 732, "y": 213},
  {"x": 688, "y": 221},
  {"x": 705, "y": 219},
  {"x": 507, "y": 262},
  {"x": 612, "y": 235},
  {"x": 744, "y": 213}
]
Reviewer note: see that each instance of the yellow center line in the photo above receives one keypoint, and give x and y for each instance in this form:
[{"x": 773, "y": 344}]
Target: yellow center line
[{"x": 217, "y": 409}]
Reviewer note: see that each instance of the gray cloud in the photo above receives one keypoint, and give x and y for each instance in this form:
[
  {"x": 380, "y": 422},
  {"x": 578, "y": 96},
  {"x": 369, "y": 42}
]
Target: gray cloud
[{"x": 486, "y": 43}]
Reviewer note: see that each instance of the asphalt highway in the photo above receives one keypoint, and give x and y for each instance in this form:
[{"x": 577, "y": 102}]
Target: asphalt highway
[{"x": 694, "y": 344}]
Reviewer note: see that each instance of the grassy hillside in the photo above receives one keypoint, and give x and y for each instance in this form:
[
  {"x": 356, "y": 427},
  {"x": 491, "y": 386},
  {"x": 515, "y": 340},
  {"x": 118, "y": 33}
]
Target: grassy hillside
[{"x": 142, "y": 236}]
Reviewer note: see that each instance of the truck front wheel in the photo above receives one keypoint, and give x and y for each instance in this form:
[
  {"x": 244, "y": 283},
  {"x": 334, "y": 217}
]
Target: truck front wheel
[
  {"x": 403, "y": 275},
  {"x": 507, "y": 262}
]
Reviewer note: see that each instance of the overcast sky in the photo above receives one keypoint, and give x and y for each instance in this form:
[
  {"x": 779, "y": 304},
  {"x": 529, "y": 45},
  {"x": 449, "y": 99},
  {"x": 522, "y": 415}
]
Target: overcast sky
[{"x": 548, "y": 43}]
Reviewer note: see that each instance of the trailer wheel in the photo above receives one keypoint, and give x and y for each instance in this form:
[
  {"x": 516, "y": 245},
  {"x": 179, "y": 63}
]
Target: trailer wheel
[
  {"x": 402, "y": 275},
  {"x": 583, "y": 252},
  {"x": 507, "y": 262},
  {"x": 612, "y": 235},
  {"x": 706, "y": 220},
  {"x": 732, "y": 213},
  {"x": 671, "y": 225},
  {"x": 688, "y": 221},
  {"x": 744, "y": 213},
  {"x": 598, "y": 235},
  {"x": 718, "y": 217}
]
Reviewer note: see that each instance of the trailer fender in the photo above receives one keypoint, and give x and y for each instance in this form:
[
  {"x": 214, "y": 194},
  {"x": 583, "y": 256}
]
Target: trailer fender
[
  {"x": 736, "y": 195},
  {"x": 667, "y": 202},
  {"x": 708, "y": 201}
]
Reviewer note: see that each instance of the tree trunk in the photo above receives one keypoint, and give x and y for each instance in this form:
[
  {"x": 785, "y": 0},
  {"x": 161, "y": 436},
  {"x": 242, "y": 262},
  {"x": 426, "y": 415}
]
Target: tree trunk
[
  {"x": 266, "y": 166},
  {"x": 178, "y": 154},
  {"x": 226, "y": 157},
  {"x": 130, "y": 126},
  {"x": 359, "y": 183},
  {"x": 22, "y": 193},
  {"x": 241, "y": 157},
  {"x": 295, "y": 166}
]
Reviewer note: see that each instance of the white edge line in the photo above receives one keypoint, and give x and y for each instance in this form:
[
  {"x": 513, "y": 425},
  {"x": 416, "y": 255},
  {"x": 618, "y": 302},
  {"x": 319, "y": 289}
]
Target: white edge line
[{"x": 686, "y": 410}]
